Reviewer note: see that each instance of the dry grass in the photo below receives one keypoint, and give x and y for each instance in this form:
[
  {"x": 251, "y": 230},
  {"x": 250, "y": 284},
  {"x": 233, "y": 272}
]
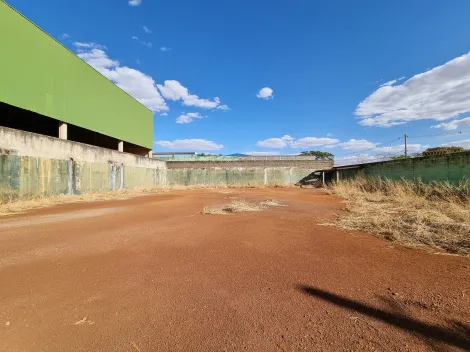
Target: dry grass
[
  {"x": 411, "y": 213},
  {"x": 239, "y": 206},
  {"x": 271, "y": 203},
  {"x": 20, "y": 206},
  {"x": 10, "y": 205}
]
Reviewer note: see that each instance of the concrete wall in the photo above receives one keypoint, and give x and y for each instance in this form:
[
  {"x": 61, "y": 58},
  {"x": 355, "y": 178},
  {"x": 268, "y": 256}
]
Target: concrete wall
[
  {"x": 452, "y": 168},
  {"x": 306, "y": 163},
  {"x": 16, "y": 142},
  {"x": 242, "y": 171},
  {"x": 198, "y": 157},
  {"x": 24, "y": 177},
  {"x": 33, "y": 165},
  {"x": 236, "y": 176}
]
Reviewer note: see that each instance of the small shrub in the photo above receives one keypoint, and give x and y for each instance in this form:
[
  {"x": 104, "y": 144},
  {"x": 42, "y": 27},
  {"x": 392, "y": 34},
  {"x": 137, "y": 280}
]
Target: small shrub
[{"x": 240, "y": 205}]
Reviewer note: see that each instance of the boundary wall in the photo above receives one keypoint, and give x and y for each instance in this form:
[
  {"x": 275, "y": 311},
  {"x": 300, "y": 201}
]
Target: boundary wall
[
  {"x": 307, "y": 163},
  {"x": 451, "y": 168},
  {"x": 237, "y": 176},
  {"x": 34, "y": 165}
]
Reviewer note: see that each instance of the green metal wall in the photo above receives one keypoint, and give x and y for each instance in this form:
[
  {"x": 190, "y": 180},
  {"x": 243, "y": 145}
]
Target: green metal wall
[
  {"x": 38, "y": 74},
  {"x": 451, "y": 168}
]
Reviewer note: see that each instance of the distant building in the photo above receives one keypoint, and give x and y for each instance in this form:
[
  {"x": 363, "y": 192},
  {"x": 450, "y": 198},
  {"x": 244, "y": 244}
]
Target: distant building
[{"x": 45, "y": 88}]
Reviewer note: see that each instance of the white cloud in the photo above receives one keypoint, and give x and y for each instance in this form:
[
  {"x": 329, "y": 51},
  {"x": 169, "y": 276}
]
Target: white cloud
[
  {"x": 392, "y": 82},
  {"x": 90, "y": 45},
  {"x": 453, "y": 125},
  {"x": 312, "y": 142},
  {"x": 164, "y": 114},
  {"x": 440, "y": 93},
  {"x": 189, "y": 117},
  {"x": 136, "y": 83},
  {"x": 174, "y": 90},
  {"x": 135, "y": 2},
  {"x": 265, "y": 93},
  {"x": 143, "y": 42},
  {"x": 389, "y": 83},
  {"x": 356, "y": 159},
  {"x": 412, "y": 148},
  {"x": 357, "y": 144},
  {"x": 464, "y": 143},
  {"x": 272, "y": 143},
  {"x": 286, "y": 137},
  {"x": 275, "y": 142},
  {"x": 262, "y": 153},
  {"x": 146, "y": 29},
  {"x": 190, "y": 144},
  {"x": 64, "y": 36},
  {"x": 164, "y": 49},
  {"x": 287, "y": 140},
  {"x": 329, "y": 134}
]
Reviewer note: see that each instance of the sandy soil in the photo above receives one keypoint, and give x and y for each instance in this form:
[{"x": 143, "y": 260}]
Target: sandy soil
[{"x": 154, "y": 274}]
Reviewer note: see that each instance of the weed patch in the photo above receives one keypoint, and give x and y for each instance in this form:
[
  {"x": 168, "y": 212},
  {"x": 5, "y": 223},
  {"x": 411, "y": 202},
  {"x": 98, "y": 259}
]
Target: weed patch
[
  {"x": 407, "y": 212},
  {"x": 239, "y": 206}
]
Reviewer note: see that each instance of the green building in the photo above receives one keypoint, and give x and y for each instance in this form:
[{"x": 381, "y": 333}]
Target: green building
[{"x": 45, "y": 88}]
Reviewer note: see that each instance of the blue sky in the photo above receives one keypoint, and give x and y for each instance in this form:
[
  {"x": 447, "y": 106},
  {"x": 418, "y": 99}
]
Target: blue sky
[{"x": 201, "y": 66}]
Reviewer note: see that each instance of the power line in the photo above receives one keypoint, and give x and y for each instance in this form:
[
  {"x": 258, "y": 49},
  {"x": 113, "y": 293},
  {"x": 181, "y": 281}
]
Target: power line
[
  {"x": 376, "y": 147},
  {"x": 386, "y": 157},
  {"x": 389, "y": 143},
  {"x": 381, "y": 145},
  {"x": 442, "y": 134}
]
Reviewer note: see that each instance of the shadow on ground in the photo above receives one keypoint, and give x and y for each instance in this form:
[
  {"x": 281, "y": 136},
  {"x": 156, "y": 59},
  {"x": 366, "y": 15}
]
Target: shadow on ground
[{"x": 458, "y": 337}]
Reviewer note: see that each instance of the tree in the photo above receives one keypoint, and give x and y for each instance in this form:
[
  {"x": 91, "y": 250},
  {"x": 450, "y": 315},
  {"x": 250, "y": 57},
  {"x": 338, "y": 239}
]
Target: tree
[{"x": 319, "y": 155}]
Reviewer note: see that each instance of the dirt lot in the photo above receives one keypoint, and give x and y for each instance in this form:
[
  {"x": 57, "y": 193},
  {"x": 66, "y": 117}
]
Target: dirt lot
[{"x": 154, "y": 274}]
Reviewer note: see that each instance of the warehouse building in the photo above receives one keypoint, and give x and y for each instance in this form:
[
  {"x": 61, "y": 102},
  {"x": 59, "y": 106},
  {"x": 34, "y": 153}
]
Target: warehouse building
[{"x": 46, "y": 89}]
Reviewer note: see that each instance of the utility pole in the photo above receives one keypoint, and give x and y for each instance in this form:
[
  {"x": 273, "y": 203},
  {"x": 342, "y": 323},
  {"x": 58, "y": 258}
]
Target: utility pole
[{"x": 406, "y": 146}]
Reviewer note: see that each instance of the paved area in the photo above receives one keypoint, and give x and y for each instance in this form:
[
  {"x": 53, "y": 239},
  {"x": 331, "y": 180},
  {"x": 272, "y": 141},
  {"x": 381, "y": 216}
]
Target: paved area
[{"x": 154, "y": 274}]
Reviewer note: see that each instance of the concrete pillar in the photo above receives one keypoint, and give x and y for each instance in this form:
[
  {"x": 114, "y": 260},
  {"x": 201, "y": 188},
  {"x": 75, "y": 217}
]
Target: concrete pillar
[
  {"x": 122, "y": 177},
  {"x": 150, "y": 155},
  {"x": 337, "y": 176},
  {"x": 70, "y": 176},
  {"x": 62, "y": 130},
  {"x": 323, "y": 178},
  {"x": 120, "y": 146}
]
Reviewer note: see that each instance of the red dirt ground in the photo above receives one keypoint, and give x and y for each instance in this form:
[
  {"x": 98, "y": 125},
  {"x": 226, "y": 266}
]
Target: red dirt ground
[{"x": 154, "y": 274}]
